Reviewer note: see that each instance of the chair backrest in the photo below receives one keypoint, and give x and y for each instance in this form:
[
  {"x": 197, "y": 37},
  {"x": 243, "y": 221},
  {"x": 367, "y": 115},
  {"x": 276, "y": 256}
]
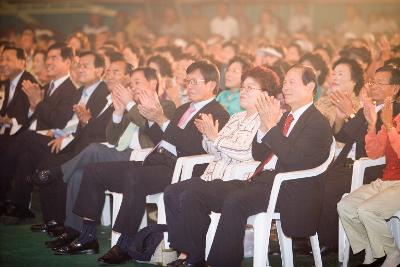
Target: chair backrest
[{"x": 359, "y": 167}]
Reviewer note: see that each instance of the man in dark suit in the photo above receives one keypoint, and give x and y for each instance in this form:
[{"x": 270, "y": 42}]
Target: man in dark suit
[
  {"x": 86, "y": 125},
  {"x": 15, "y": 105},
  {"x": 50, "y": 108},
  {"x": 125, "y": 131},
  {"x": 176, "y": 137},
  {"x": 337, "y": 180},
  {"x": 296, "y": 140}
]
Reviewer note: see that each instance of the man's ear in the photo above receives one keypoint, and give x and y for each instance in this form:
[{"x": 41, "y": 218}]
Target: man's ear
[
  {"x": 153, "y": 84},
  {"x": 212, "y": 85},
  {"x": 311, "y": 86}
]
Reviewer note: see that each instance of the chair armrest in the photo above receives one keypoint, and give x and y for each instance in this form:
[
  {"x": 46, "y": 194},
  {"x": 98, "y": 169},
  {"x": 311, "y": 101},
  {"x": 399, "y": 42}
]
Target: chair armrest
[
  {"x": 359, "y": 169},
  {"x": 140, "y": 154},
  {"x": 184, "y": 166}
]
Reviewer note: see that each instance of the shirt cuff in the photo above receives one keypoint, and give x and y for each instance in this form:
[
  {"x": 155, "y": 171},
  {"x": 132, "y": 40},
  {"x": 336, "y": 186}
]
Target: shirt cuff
[
  {"x": 116, "y": 118},
  {"x": 130, "y": 105},
  {"x": 30, "y": 113}
]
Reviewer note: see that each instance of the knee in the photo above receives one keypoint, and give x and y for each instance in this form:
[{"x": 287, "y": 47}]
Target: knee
[
  {"x": 345, "y": 207},
  {"x": 364, "y": 212},
  {"x": 190, "y": 199},
  {"x": 232, "y": 205}
]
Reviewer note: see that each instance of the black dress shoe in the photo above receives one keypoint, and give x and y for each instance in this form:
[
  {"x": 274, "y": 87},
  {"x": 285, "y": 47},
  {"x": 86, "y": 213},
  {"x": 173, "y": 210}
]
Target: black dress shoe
[
  {"x": 76, "y": 248},
  {"x": 62, "y": 240},
  {"x": 56, "y": 230},
  {"x": 39, "y": 228},
  {"x": 114, "y": 256},
  {"x": 177, "y": 263}
]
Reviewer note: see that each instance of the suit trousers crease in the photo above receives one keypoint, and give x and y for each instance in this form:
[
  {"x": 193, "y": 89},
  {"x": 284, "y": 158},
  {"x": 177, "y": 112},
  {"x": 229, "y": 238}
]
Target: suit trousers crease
[{"x": 132, "y": 179}]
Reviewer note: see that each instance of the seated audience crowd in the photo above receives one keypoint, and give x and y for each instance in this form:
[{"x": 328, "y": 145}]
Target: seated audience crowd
[{"x": 72, "y": 111}]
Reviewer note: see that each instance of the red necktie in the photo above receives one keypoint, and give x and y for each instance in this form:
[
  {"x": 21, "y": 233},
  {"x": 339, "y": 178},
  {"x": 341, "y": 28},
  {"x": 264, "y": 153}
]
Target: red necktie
[{"x": 285, "y": 130}]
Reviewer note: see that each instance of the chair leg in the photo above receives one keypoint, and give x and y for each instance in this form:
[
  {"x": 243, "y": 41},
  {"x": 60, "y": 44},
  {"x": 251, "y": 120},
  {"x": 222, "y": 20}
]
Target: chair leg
[
  {"x": 316, "y": 250},
  {"x": 261, "y": 228},
  {"x": 285, "y": 244},
  {"x": 161, "y": 217},
  {"x": 106, "y": 214},
  {"x": 117, "y": 200},
  {"x": 212, "y": 229},
  {"x": 342, "y": 241}
]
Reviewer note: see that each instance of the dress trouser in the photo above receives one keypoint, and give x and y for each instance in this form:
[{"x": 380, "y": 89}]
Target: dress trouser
[
  {"x": 134, "y": 180},
  {"x": 20, "y": 160},
  {"x": 235, "y": 200},
  {"x": 364, "y": 212},
  {"x": 73, "y": 172},
  {"x": 337, "y": 181}
]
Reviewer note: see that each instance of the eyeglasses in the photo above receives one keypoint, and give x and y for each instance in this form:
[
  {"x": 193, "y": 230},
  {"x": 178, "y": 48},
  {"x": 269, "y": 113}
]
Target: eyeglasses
[
  {"x": 249, "y": 88},
  {"x": 193, "y": 81},
  {"x": 373, "y": 82}
]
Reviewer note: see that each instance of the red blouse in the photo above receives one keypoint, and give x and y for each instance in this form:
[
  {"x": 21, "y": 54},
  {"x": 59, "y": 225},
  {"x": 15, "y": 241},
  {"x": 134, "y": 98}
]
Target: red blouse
[{"x": 386, "y": 143}]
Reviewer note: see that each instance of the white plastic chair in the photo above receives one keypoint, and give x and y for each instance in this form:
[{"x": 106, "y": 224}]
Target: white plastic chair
[
  {"x": 261, "y": 222},
  {"x": 357, "y": 181},
  {"x": 183, "y": 171}
]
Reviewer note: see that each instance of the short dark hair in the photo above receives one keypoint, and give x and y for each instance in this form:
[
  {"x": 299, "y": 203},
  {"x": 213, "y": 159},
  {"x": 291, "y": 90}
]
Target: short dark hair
[
  {"x": 394, "y": 73},
  {"x": 163, "y": 64},
  {"x": 394, "y": 61},
  {"x": 265, "y": 77},
  {"x": 65, "y": 51},
  {"x": 150, "y": 74},
  {"x": 357, "y": 74},
  {"x": 245, "y": 62},
  {"x": 208, "y": 70},
  {"x": 116, "y": 56},
  {"x": 308, "y": 75},
  {"x": 233, "y": 44},
  {"x": 138, "y": 51},
  {"x": 319, "y": 64},
  {"x": 186, "y": 56},
  {"x": 18, "y": 51},
  {"x": 99, "y": 61},
  {"x": 326, "y": 46}
]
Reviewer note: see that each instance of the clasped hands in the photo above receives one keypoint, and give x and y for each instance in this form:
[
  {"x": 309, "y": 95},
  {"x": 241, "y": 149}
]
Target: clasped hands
[
  {"x": 34, "y": 93},
  {"x": 207, "y": 126},
  {"x": 269, "y": 110},
  {"x": 342, "y": 102}
]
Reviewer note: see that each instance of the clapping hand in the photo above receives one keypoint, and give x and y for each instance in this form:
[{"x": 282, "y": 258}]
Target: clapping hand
[
  {"x": 270, "y": 111},
  {"x": 342, "y": 102},
  {"x": 34, "y": 93},
  {"x": 387, "y": 114},
  {"x": 207, "y": 126},
  {"x": 150, "y": 107},
  {"x": 369, "y": 112},
  {"x": 83, "y": 113}
]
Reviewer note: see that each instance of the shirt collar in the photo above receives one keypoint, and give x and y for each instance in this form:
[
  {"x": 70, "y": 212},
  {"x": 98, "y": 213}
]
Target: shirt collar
[
  {"x": 90, "y": 89},
  {"x": 59, "y": 81},
  {"x": 378, "y": 108},
  {"x": 201, "y": 104},
  {"x": 109, "y": 98},
  {"x": 297, "y": 114},
  {"x": 15, "y": 81}
]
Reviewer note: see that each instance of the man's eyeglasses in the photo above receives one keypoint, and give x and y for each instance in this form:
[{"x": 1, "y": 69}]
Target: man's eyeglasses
[
  {"x": 373, "y": 82},
  {"x": 193, "y": 81},
  {"x": 249, "y": 88}
]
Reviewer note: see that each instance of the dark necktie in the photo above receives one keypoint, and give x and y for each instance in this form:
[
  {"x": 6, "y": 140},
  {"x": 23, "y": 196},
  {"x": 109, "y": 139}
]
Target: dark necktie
[
  {"x": 285, "y": 130},
  {"x": 51, "y": 88}
]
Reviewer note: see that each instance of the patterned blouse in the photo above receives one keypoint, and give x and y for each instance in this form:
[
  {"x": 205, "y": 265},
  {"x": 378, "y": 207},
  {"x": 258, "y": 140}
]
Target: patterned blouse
[{"x": 232, "y": 146}]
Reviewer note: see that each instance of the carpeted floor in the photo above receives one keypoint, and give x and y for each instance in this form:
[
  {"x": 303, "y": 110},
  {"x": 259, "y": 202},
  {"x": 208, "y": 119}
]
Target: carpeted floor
[{"x": 20, "y": 247}]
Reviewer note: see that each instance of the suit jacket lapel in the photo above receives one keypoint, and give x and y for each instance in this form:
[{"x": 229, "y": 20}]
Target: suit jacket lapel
[
  {"x": 301, "y": 123},
  {"x": 202, "y": 110}
]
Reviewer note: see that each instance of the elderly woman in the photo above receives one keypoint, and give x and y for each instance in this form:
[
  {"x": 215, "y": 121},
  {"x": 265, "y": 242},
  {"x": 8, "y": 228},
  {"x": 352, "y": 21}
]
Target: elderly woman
[
  {"x": 232, "y": 145},
  {"x": 342, "y": 101},
  {"x": 229, "y": 98}
]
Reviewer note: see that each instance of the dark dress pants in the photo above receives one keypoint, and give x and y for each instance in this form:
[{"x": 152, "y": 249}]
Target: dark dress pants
[
  {"x": 236, "y": 201},
  {"x": 132, "y": 179}
]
